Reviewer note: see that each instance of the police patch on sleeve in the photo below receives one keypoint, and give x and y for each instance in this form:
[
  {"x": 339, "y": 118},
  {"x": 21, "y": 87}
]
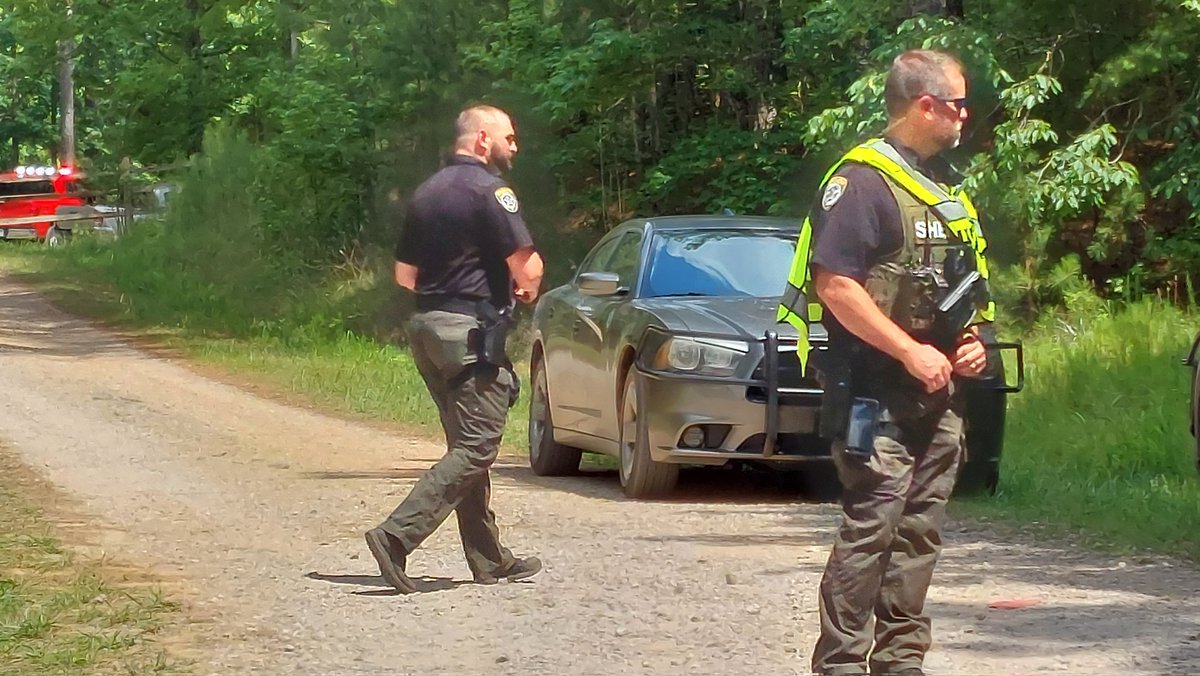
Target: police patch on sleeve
[
  {"x": 507, "y": 199},
  {"x": 833, "y": 192}
]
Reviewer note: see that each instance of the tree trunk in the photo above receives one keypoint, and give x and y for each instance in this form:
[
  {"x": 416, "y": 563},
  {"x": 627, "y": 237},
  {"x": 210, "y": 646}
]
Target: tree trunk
[{"x": 66, "y": 90}]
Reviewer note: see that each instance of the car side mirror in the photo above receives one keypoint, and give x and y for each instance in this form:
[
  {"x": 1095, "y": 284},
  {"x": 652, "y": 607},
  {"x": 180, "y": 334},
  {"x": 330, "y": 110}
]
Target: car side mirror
[{"x": 599, "y": 283}]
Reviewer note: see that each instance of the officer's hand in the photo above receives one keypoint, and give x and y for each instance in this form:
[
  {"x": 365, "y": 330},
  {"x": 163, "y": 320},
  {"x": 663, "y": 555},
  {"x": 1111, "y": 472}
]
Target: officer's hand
[
  {"x": 930, "y": 366},
  {"x": 970, "y": 357}
]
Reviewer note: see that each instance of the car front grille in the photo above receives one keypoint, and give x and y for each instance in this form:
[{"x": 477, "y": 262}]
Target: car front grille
[
  {"x": 789, "y": 444},
  {"x": 795, "y": 389}
]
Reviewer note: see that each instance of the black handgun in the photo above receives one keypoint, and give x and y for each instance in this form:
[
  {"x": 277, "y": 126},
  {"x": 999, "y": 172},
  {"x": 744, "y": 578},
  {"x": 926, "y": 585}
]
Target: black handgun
[{"x": 494, "y": 326}]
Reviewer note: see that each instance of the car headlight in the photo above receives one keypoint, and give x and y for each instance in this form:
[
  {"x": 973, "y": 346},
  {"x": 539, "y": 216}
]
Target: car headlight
[{"x": 701, "y": 356}]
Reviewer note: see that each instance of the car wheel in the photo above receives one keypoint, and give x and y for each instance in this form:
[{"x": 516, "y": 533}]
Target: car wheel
[
  {"x": 977, "y": 478},
  {"x": 819, "y": 481},
  {"x": 547, "y": 457},
  {"x": 55, "y": 237},
  {"x": 641, "y": 476}
]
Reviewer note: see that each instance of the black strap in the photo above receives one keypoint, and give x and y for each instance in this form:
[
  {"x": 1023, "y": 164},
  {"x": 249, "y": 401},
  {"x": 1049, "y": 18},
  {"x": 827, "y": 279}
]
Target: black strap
[{"x": 446, "y": 303}]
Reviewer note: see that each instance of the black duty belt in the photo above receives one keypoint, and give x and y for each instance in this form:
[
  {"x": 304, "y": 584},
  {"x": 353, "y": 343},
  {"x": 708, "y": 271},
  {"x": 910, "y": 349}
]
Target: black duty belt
[{"x": 456, "y": 304}]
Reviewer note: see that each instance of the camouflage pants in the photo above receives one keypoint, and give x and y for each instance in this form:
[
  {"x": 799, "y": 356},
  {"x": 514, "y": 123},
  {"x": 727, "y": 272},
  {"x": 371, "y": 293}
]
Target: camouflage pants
[
  {"x": 893, "y": 507},
  {"x": 472, "y": 401}
]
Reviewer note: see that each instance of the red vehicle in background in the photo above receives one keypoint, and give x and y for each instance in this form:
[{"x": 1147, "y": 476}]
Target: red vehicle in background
[{"x": 43, "y": 203}]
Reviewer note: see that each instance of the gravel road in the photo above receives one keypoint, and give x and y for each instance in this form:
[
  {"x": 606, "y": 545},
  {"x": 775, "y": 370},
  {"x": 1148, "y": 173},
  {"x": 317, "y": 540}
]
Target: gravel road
[{"x": 251, "y": 512}]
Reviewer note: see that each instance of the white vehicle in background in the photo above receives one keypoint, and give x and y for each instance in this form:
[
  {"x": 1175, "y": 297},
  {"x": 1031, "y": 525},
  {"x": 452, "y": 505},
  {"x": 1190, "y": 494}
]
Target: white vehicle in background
[{"x": 152, "y": 202}]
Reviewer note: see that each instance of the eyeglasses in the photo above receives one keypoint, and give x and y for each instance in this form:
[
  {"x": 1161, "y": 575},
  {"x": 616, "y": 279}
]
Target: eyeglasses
[{"x": 960, "y": 104}]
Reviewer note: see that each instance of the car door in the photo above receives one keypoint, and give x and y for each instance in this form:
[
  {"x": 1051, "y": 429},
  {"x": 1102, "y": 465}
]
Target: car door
[
  {"x": 570, "y": 403},
  {"x": 597, "y": 335}
]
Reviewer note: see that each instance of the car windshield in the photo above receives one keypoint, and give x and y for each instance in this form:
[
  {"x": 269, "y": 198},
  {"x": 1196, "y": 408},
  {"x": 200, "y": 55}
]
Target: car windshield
[
  {"x": 26, "y": 188},
  {"x": 749, "y": 263}
]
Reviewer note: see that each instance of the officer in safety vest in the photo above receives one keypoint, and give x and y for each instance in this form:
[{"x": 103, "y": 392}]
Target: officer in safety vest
[{"x": 885, "y": 242}]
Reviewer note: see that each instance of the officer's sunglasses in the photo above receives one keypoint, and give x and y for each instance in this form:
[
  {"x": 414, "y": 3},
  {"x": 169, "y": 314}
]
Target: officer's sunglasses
[{"x": 960, "y": 104}]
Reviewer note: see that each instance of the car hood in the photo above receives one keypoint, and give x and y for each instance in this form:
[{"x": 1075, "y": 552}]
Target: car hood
[{"x": 742, "y": 318}]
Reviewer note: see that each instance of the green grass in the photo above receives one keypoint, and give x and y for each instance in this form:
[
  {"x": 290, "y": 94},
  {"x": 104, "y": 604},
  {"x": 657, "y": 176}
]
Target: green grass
[
  {"x": 330, "y": 367},
  {"x": 1097, "y": 445},
  {"x": 58, "y": 613},
  {"x": 351, "y": 374}
]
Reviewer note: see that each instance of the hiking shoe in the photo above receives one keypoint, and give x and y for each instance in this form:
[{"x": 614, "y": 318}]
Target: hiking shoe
[
  {"x": 391, "y": 559},
  {"x": 519, "y": 569}
]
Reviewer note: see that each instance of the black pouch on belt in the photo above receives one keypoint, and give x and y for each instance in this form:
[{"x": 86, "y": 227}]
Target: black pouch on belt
[
  {"x": 861, "y": 426},
  {"x": 494, "y": 325}
]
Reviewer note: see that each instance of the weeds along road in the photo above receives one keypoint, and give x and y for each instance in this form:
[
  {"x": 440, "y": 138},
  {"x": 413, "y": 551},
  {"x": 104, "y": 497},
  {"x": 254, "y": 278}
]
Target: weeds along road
[{"x": 252, "y": 512}]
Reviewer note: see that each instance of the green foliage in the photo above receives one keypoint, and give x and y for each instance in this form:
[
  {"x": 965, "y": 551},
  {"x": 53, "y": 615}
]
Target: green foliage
[
  {"x": 1106, "y": 410},
  {"x": 1084, "y": 140}
]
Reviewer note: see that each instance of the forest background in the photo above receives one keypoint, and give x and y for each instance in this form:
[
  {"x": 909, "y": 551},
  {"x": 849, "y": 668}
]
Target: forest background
[{"x": 297, "y": 128}]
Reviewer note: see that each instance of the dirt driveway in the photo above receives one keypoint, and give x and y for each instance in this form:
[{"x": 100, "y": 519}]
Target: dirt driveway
[{"x": 253, "y": 512}]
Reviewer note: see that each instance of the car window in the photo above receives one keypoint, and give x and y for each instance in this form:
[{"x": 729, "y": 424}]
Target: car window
[
  {"x": 741, "y": 263},
  {"x": 598, "y": 258},
  {"x": 26, "y": 188},
  {"x": 626, "y": 258}
]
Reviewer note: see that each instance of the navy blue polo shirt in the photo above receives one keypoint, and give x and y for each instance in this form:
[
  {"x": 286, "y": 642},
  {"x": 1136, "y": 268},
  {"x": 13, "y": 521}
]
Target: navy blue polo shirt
[{"x": 460, "y": 226}]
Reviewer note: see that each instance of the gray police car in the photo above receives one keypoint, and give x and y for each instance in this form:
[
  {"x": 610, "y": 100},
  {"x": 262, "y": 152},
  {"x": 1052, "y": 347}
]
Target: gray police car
[{"x": 663, "y": 351}]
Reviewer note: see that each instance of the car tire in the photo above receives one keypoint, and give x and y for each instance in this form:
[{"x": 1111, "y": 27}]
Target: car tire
[
  {"x": 641, "y": 475},
  {"x": 55, "y": 237},
  {"x": 977, "y": 478},
  {"x": 546, "y": 456},
  {"x": 819, "y": 481}
]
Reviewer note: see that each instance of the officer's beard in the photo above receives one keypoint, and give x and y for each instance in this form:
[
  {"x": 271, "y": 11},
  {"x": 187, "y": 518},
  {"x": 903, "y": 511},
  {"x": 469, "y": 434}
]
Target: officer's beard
[
  {"x": 951, "y": 140},
  {"x": 502, "y": 163}
]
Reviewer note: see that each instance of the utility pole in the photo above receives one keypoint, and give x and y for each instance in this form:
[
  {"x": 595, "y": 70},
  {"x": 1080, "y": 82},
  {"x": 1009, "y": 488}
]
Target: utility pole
[{"x": 66, "y": 89}]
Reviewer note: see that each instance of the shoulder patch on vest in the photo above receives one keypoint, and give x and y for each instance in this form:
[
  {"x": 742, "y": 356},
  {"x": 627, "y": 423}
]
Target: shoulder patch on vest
[
  {"x": 833, "y": 192},
  {"x": 507, "y": 199}
]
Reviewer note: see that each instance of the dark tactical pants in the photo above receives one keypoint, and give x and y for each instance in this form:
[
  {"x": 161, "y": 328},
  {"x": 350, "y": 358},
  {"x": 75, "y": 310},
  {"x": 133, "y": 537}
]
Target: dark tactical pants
[
  {"x": 472, "y": 401},
  {"x": 893, "y": 507}
]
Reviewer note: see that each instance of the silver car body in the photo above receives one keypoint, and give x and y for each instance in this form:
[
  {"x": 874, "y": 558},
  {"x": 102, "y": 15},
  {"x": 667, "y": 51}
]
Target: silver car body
[{"x": 590, "y": 345}]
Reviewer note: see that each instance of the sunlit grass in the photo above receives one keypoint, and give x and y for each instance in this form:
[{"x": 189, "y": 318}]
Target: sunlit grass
[
  {"x": 60, "y": 614},
  {"x": 1098, "y": 443}
]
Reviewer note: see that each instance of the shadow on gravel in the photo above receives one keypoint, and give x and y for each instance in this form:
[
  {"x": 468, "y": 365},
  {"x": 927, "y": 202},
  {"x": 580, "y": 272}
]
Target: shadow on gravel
[
  {"x": 974, "y": 556},
  {"x": 399, "y": 473},
  {"x": 26, "y": 328},
  {"x": 799, "y": 539},
  {"x": 1085, "y": 600},
  {"x": 1069, "y": 629},
  {"x": 737, "y": 485},
  {"x": 424, "y": 584}
]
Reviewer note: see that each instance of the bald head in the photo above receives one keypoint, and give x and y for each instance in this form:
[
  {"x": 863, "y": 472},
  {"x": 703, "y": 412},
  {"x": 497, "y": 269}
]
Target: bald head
[
  {"x": 486, "y": 133},
  {"x": 476, "y": 119}
]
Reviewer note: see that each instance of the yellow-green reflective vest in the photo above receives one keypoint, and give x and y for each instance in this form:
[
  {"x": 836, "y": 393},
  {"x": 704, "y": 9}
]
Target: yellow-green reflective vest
[{"x": 799, "y": 306}]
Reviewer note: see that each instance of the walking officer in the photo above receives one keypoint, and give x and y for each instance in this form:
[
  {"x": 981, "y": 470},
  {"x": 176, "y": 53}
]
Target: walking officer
[
  {"x": 883, "y": 243},
  {"x": 467, "y": 255}
]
